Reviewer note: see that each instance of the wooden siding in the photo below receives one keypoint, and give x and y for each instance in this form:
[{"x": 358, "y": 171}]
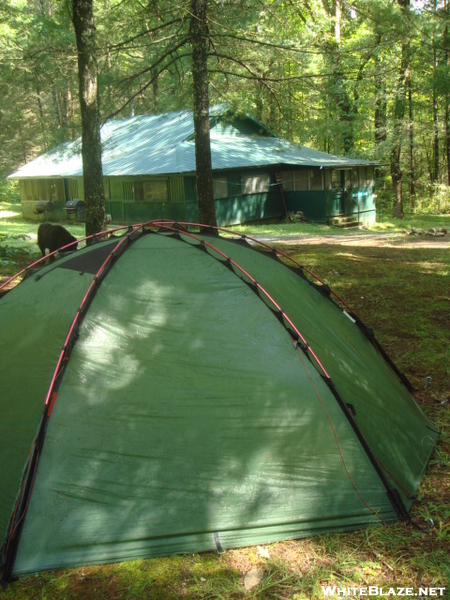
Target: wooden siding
[
  {"x": 252, "y": 207},
  {"x": 176, "y": 190},
  {"x": 319, "y": 206},
  {"x": 137, "y": 212},
  {"x": 181, "y": 202},
  {"x": 57, "y": 191}
]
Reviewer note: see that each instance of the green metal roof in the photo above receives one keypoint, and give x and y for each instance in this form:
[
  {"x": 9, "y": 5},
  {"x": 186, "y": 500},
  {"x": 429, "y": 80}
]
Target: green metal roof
[{"x": 164, "y": 144}]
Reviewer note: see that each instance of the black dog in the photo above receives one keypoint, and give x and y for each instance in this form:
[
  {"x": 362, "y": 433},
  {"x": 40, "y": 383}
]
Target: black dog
[{"x": 54, "y": 237}]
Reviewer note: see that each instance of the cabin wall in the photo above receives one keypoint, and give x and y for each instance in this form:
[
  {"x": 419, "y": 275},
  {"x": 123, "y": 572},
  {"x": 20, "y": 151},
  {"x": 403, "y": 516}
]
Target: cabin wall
[
  {"x": 240, "y": 196},
  {"x": 137, "y": 199},
  {"x": 35, "y": 192},
  {"x": 338, "y": 193},
  {"x": 322, "y": 206},
  {"x": 311, "y": 203},
  {"x": 359, "y": 203}
]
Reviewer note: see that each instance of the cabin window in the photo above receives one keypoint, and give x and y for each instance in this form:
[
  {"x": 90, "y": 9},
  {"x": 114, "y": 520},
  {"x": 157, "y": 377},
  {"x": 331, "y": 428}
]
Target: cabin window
[
  {"x": 55, "y": 190},
  {"x": 287, "y": 181},
  {"x": 300, "y": 180},
  {"x": 315, "y": 179},
  {"x": 106, "y": 189},
  {"x": 151, "y": 191},
  {"x": 355, "y": 178},
  {"x": 336, "y": 178},
  {"x": 73, "y": 189},
  {"x": 348, "y": 179},
  {"x": 42, "y": 187},
  {"x": 255, "y": 184},
  {"x": 220, "y": 187},
  {"x": 368, "y": 176},
  {"x": 27, "y": 187}
]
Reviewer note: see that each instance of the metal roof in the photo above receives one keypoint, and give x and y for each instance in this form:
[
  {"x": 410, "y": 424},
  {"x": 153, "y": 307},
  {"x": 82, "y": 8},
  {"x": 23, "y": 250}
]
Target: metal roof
[{"x": 164, "y": 144}]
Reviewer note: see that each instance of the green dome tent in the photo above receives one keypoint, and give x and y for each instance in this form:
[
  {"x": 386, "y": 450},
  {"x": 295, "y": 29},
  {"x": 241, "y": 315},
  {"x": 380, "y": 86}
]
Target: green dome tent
[{"x": 171, "y": 390}]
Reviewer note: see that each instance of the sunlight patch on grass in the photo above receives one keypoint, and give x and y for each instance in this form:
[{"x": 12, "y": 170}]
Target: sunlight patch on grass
[
  {"x": 436, "y": 267},
  {"x": 7, "y": 214},
  {"x": 285, "y": 229}
]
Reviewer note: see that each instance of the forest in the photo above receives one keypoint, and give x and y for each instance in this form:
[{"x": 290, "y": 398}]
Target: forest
[
  {"x": 366, "y": 79},
  {"x": 362, "y": 78}
]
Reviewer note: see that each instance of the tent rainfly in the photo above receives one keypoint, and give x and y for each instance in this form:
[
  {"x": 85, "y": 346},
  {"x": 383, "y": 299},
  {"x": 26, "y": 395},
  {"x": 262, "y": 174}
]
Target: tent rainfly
[{"x": 170, "y": 390}]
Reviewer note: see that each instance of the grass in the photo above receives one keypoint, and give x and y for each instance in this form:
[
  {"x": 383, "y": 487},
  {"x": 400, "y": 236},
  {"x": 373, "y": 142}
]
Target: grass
[
  {"x": 402, "y": 291},
  {"x": 392, "y": 289},
  {"x": 18, "y": 239},
  {"x": 385, "y": 224}
]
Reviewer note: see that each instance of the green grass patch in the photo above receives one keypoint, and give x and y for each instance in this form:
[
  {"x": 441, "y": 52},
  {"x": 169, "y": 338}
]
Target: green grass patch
[
  {"x": 386, "y": 225},
  {"x": 18, "y": 239}
]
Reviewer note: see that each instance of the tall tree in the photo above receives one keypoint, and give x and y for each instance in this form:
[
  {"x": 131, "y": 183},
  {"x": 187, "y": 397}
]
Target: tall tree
[
  {"x": 37, "y": 79},
  {"x": 380, "y": 106},
  {"x": 94, "y": 194},
  {"x": 399, "y": 115},
  {"x": 435, "y": 169},
  {"x": 341, "y": 102},
  {"x": 200, "y": 80},
  {"x": 320, "y": 72},
  {"x": 446, "y": 44},
  {"x": 412, "y": 166}
]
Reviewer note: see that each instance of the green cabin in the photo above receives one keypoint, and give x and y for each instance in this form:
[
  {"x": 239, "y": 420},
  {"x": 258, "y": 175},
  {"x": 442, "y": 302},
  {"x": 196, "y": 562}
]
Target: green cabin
[{"x": 149, "y": 172}]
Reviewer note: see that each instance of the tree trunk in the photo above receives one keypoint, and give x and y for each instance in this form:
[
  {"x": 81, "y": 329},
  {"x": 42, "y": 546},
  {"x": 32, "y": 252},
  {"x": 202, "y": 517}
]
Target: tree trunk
[
  {"x": 380, "y": 112},
  {"x": 412, "y": 167},
  {"x": 343, "y": 107},
  {"x": 435, "y": 114},
  {"x": 399, "y": 117},
  {"x": 447, "y": 137},
  {"x": 396, "y": 176},
  {"x": 94, "y": 195},
  {"x": 199, "y": 41},
  {"x": 447, "y": 97}
]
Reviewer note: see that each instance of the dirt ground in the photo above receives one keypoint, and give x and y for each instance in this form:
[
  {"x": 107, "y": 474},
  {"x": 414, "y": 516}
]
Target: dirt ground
[{"x": 380, "y": 240}]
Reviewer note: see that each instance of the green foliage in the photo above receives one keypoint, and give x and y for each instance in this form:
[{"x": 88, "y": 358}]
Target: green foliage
[
  {"x": 9, "y": 192},
  {"x": 313, "y": 75},
  {"x": 433, "y": 199}
]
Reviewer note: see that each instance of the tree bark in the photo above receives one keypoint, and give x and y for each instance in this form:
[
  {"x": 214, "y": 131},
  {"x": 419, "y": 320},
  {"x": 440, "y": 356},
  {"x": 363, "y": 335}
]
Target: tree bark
[
  {"x": 199, "y": 42},
  {"x": 447, "y": 96},
  {"x": 435, "y": 114},
  {"x": 380, "y": 110},
  {"x": 399, "y": 117},
  {"x": 412, "y": 166},
  {"x": 343, "y": 107},
  {"x": 94, "y": 195}
]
